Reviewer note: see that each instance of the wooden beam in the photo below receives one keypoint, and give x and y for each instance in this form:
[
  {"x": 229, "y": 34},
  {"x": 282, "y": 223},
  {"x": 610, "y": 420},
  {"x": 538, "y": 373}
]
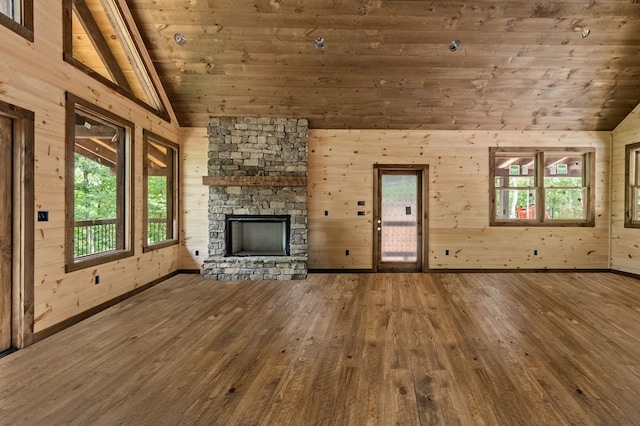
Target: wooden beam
[{"x": 102, "y": 48}]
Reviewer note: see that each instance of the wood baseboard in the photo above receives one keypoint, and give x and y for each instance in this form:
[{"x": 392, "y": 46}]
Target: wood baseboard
[{"x": 43, "y": 334}]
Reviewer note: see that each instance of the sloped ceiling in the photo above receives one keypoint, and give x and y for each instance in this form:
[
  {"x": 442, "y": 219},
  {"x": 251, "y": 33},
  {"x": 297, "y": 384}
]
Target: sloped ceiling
[{"x": 521, "y": 65}]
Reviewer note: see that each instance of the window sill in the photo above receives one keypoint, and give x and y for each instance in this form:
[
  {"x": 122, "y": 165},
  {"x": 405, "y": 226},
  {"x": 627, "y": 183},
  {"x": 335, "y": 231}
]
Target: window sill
[{"x": 97, "y": 259}]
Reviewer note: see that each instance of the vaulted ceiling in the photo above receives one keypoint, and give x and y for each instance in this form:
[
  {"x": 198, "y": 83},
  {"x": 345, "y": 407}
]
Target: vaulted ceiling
[{"x": 520, "y": 65}]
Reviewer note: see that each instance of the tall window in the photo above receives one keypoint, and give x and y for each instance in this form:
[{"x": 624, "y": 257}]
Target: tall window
[
  {"x": 99, "y": 187},
  {"x": 632, "y": 186},
  {"x": 17, "y": 15},
  {"x": 530, "y": 187},
  {"x": 160, "y": 191}
]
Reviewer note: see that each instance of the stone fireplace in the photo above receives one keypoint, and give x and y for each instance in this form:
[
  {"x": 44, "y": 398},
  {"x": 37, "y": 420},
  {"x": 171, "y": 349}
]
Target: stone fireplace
[{"x": 257, "y": 178}]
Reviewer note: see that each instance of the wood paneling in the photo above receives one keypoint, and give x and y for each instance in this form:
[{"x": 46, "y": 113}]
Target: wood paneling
[
  {"x": 34, "y": 77},
  {"x": 352, "y": 349},
  {"x": 341, "y": 172},
  {"x": 194, "y": 219},
  {"x": 521, "y": 65},
  {"x": 625, "y": 250}
]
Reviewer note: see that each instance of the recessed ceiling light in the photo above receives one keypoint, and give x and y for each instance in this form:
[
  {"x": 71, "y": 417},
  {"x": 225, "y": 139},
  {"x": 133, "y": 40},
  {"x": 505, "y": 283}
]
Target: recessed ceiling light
[
  {"x": 319, "y": 43},
  {"x": 180, "y": 39},
  {"x": 454, "y": 45},
  {"x": 586, "y": 32}
]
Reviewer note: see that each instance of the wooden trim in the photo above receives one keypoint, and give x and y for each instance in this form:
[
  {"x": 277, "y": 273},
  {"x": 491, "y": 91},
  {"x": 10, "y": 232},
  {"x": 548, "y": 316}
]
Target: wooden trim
[
  {"x": 254, "y": 180},
  {"x": 519, "y": 270},
  {"x": 125, "y": 198},
  {"x": 6, "y": 231},
  {"x": 625, "y": 273},
  {"x": 173, "y": 153},
  {"x": 22, "y": 322},
  {"x": 43, "y": 334},
  {"x": 24, "y": 29},
  {"x": 123, "y": 28}
]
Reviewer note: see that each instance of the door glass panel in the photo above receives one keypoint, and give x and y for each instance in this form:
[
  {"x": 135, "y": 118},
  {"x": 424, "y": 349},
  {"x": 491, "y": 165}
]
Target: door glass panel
[{"x": 399, "y": 218}]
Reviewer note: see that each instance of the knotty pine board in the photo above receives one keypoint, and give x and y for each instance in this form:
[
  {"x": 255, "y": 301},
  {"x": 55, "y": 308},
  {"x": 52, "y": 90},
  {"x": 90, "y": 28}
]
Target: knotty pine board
[
  {"x": 341, "y": 173},
  {"x": 33, "y": 76},
  {"x": 194, "y": 219},
  {"x": 625, "y": 247}
]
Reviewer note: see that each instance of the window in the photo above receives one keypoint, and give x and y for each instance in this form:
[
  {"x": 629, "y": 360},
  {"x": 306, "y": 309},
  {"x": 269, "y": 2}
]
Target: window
[
  {"x": 530, "y": 187},
  {"x": 632, "y": 186},
  {"x": 160, "y": 192},
  {"x": 99, "y": 187},
  {"x": 17, "y": 15},
  {"x": 99, "y": 40}
]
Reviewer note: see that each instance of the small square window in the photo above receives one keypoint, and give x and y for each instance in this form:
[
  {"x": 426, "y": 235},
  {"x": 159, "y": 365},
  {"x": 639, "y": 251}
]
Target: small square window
[{"x": 17, "y": 15}]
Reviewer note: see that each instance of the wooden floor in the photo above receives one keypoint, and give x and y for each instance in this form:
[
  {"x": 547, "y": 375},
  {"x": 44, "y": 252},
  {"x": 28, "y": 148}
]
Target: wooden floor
[{"x": 346, "y": 349}]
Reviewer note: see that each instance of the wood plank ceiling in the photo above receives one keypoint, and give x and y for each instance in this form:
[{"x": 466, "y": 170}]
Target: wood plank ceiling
[{"x": 521, "y": 64}]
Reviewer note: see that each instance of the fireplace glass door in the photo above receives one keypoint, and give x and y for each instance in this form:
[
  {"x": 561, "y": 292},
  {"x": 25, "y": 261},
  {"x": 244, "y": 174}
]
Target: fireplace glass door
[{"x": 257, "y": 235}]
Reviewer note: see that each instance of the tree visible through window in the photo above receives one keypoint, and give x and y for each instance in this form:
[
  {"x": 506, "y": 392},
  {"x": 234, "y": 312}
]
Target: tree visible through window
[
  {"x": 98, "y": 193},
  {"x": 533, "y": 187},
  {"x": 160, "y": 169}
]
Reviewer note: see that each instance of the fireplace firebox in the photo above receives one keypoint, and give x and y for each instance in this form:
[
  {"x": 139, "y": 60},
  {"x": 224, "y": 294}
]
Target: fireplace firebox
[{"x": 257, "y": 235}]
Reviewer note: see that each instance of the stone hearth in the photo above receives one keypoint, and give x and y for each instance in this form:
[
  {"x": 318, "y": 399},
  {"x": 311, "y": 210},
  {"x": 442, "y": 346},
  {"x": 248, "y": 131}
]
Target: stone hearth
[{"x": 257, "y": 166}]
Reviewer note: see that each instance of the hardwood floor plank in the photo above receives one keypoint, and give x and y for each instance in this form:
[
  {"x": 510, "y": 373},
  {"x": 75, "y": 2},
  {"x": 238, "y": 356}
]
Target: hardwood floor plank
[{"x": 355, "y": 349}]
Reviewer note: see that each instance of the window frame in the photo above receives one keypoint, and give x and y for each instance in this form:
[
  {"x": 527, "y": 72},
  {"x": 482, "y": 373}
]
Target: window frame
[
  {"x": 24, "y": 27},
  {"x": 629, "y": 199},
  {"x": 540, "y": 220},
  {"x": 172, "y": 200},
  {"x": 125, "y": 217}
]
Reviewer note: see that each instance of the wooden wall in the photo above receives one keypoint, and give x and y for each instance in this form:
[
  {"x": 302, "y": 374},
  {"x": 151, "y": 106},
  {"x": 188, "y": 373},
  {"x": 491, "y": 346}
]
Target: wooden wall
[
  {"x": 194, "y": 234},
  {"x": 341, "y": 173},
  {"x": 33, "y": 76},
  {"x": 625, "y": 242}
]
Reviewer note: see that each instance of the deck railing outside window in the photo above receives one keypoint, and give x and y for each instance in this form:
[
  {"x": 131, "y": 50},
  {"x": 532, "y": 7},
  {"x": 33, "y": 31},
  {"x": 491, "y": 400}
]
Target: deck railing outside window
[
  {"x": 156, "y": 230},
  {"x": 94, "y": 236},
  {"x": 98, "y": 236}
]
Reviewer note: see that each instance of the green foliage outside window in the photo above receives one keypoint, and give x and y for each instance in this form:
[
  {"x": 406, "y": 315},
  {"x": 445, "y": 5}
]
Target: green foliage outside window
[{"x": 95, "y": 190}]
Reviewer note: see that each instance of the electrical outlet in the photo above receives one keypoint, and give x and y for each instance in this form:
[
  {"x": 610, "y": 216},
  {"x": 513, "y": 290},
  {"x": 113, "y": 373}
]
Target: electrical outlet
[
  {"x": 346, "y": 252},
  {"x": 446, "y": 252},
  {"x": 96, "y": 280},
  {"x": 535, "y": 252},
  {"x": 197, "y": 252}
]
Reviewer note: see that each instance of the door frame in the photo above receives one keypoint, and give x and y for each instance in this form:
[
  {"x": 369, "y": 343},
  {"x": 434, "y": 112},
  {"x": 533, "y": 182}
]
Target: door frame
[
  {"x": 23, "y": 227},
  {"x": 423, "y": 169}
]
